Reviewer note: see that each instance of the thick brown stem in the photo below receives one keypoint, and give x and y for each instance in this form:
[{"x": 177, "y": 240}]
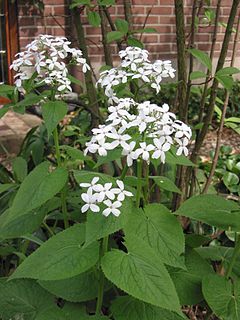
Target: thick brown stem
[
  {"x": 213, "y": 95},
  {"x": 191, "y": 45},
  {"x": 128, "y": 13},
  {"x": 106, "y": 47},
  {"x": 221, "y": 125},
  {"x": 214, "y": 38},
  {"x": 91, "y": 91},
  {"x": 181, "y": 90}
]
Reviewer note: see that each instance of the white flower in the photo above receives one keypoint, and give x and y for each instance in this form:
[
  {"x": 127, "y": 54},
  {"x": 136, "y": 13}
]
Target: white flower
[
  {"x": 144, "y": 150},
  {"x": 182, "y": 146},
  {"x": 91, "y": 184},
  {"x": 112, "y": 207},
  {"x": 130, "y": 153},
  {"x": 121, "y": 192},
  {"x": 119, "y": 138},
  {"x": 90, "y": 199},
  {"x": 105, "y": 190},
  {"x": 161, "y": 148}
]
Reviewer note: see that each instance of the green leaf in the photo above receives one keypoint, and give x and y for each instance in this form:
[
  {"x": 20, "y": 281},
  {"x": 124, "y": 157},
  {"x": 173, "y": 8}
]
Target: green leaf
[
  {"x": 62, "y": 256},
  {"x": 172, "y": 158},
  {"x": 37, "y": 188},
  {"x": 111, "y": 156},
  {"x": 230, "y": 179},
  {"x": 114, "y": 36},
  {"x": 20, "y": 225},
  {"x": 74, "y": 153},
  {"x": 106, "y": 2},
  {"x": 53, "y": 112},
  {"x": 98, "y": 226},
  {"x": 77, "y": 312},
  {"x": 197, "y": 75},
  {"x": 213, "y": 210},
  {"x": 126, "y": 307},
  {"x": 166, "y": 184},
  {"x": 145, "y": 30},
  {"x": 141, "y": 274},
  {"x": 20, "y": 168},
  {"x": 227, "y": 71},
  {"x": 29, "y": 100},
  {"x": 6, "y": 90},
  {"x": 122, "y": 25},
  {"x": 161, "y": 230},
  {"x": 82, "y": 176},
  {"x": 4, "y": 110},
  {"x": 134, "y": 42},
  {"x": 202, "y": 57},
  {"x": 81, "y": 288},
  {"x": 223, "y": 296},
  {"x": 94, "y": 18},
  {"x": 188, "y": 282},
  {"x": 226, "y": 81},
  {"x": 6, "y": 186},
  {"x": 23, "y": 297},
  {"x": 76, "y": 3}
]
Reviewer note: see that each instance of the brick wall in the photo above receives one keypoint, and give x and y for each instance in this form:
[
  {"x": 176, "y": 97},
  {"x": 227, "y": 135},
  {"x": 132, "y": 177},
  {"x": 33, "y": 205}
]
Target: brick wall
[{"x": 55, "y": 20}]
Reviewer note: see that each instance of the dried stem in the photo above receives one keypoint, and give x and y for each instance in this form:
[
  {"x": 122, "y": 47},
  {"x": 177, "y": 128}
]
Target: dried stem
[
  {"x": 221, "y": 125},
  {"x": 128, "y": 13}
]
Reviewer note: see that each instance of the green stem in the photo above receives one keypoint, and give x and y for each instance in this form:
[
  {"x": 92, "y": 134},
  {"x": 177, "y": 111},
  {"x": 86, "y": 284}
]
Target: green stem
[
  {"x": 146, "y": 188},
  {"x": 236, "y": 252},
  {"x": 103, "y": 250},
  {"x": 124, "y": 172},
  {"x": 139, "y": 176},
  {"x": 48, "y": 228},
  {"x": 63, "y": 192}
]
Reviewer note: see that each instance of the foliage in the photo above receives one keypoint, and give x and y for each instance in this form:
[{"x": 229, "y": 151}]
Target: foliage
[{"x": 87, "y": 225}]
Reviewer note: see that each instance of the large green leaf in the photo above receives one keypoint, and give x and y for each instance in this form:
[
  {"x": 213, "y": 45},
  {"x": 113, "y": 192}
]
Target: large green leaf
[
  {"x": 213, "y": 210},
  {"x": 114, "y": 36},
  {"x": 62, "y": 256},
  {"x": 161, "y": 230},
  {"x": 23, "y": 298},
  {"x": 22, "y": 224},
  {"x": 37, "y": 188},
  {"x": 141, "y": 274},
  {"x": 223, "y": 296},
  {"x": 53, "y": 112},
  {"x": 99, "y": 226},
  {"x": 94, "y": 18},
  {"x": 83, "y": 287},
  {"x": 122, "y": 25},
  {"x": 188, "y": 282},
  {"x": 126, "y": 307}
]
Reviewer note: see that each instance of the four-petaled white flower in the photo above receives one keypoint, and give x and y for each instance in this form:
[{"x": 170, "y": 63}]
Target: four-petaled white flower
[
  {"x": 91, "y": 184},
  {"x": 112, "y": 207},
  {"x": 144, "y": 150},
  {"x": 182, "y": 146},
  {"x": 90, "y": 200},
  {"x": 121, "y": 192},
  {"x": 105, "y": 190},
  {"x": 161, "y": 148},
  {"x": 130, "y": 153}
]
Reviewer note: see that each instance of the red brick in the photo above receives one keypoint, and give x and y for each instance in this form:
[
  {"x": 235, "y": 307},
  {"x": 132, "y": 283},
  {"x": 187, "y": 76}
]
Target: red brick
[
  {"x": 167, "y": 2},
  {"x": 162, "y": 10},
  {"x": 59, "y": 10},
  {"x": 167, "y": 20}
]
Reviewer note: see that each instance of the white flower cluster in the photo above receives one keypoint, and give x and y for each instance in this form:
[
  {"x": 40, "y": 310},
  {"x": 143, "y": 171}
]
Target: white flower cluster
[
  {"x": 96, "y": 194},
  {"x": 135, "y": 65},
  {"x": 44, "y": 59},
  {"x": 142, "y": 130}
]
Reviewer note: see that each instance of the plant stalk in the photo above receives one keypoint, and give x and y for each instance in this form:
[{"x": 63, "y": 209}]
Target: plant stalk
[
  {"x": 236, "y": 252},
  {"x": 63, "y": 192},
  {"x": 103, "y": 250},
  {"x": 124, "y": 172},
  {"x": 139, "y": 186}
]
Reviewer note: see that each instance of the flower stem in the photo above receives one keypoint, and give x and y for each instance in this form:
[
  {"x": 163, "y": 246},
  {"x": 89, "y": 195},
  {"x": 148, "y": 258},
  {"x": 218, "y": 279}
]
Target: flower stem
[
  {"x": 125, "y": 169},
  {"x": 146, "y": 188},
  {"x": 63, "y": 192},
  {"x": 103, "y": 250},
  {"x": 236, "y": 252},
  {"x": 139, "y": 176}
]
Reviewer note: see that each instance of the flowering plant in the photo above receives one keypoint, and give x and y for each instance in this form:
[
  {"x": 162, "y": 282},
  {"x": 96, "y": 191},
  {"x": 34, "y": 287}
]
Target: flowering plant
[{"x": 104, "y": 239}]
